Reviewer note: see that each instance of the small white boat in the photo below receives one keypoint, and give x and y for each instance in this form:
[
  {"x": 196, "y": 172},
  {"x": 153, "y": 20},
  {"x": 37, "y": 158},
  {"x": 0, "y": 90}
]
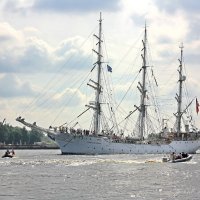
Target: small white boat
[
  {"x": 189, "y": 157},
  {"x": 9, "y": 154}
]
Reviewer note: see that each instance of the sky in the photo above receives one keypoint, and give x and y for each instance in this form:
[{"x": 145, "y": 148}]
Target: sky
[{"x": 46, "y": 44}]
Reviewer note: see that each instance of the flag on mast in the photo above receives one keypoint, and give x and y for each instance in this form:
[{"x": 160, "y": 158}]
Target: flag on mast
[
  {"x": 109, "y": 68},
  {"x": 197, "y": 106}
]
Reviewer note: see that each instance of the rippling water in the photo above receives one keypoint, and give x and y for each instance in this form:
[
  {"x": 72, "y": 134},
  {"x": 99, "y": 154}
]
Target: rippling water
[{"x": 45, "y": 174}]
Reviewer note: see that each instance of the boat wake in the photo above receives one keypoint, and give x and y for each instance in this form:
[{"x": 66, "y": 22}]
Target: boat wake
[
  {"x": 69, "y": 162},
  {"x": 153, "y": 161}
]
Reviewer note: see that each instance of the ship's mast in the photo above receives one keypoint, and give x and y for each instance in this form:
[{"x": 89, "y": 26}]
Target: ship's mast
[
  {"x": 179, "y": 95},
  {"x": 142, "y": 89},
  {"x": 96, "y": 106},
  {"x": 98, "y": 90}
]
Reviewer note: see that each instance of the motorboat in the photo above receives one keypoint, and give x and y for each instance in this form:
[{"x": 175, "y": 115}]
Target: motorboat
[
  {"x": 176, "y": 160},
  {"x": 9, "y": 154},
  {"x": 189, "y": 157}
]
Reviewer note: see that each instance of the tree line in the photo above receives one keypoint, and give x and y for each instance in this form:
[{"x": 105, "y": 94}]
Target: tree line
[{"x": 17, "y": 135}]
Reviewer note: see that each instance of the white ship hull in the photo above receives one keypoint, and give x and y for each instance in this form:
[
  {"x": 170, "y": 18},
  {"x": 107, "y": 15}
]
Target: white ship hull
[{"x": 90, "y": 145}]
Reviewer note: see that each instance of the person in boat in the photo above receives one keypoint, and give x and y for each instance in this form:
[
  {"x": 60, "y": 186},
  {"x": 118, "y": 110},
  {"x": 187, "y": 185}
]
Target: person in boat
[
  {"x": 184, "y": 155},
  {"x": 179, "y": 156},
  {"x": 7, "y": 153},
  {"x": 173, "y": 156},
  {"x": 13, "y": 152}
]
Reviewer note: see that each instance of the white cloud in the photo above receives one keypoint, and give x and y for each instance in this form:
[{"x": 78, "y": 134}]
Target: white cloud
[
  {"x": 24, "y": 6},
  {"x": 30, "y": 54},
  {"x": 76, "y": 5},
  {"x": 171, "y": 7},
  {"x": 13, "y": 87}
]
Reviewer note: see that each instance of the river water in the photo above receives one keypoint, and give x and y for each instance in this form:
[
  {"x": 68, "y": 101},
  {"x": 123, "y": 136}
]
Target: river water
[{"x": 46, "y": 174}]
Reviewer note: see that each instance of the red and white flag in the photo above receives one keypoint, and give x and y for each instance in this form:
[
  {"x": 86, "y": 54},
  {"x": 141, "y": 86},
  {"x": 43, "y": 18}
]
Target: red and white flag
[{"x": 197, "y": 106}]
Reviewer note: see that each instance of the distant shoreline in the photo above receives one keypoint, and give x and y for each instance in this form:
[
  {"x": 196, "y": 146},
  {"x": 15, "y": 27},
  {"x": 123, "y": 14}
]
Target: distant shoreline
[{"x": 27, "y": 147}]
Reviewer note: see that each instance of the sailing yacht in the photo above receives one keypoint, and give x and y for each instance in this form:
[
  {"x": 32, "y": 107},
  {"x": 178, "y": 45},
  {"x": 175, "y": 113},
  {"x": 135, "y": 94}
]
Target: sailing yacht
[{"x": 104, "y": 141}]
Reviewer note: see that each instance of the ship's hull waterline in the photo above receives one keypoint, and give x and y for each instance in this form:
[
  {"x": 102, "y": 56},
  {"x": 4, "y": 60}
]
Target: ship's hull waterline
[{"x": 90, "y": 145}]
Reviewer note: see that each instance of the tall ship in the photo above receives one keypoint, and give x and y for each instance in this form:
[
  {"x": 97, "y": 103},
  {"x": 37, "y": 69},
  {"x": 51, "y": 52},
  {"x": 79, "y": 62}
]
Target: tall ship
[{"x": 102, "y": 138}]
